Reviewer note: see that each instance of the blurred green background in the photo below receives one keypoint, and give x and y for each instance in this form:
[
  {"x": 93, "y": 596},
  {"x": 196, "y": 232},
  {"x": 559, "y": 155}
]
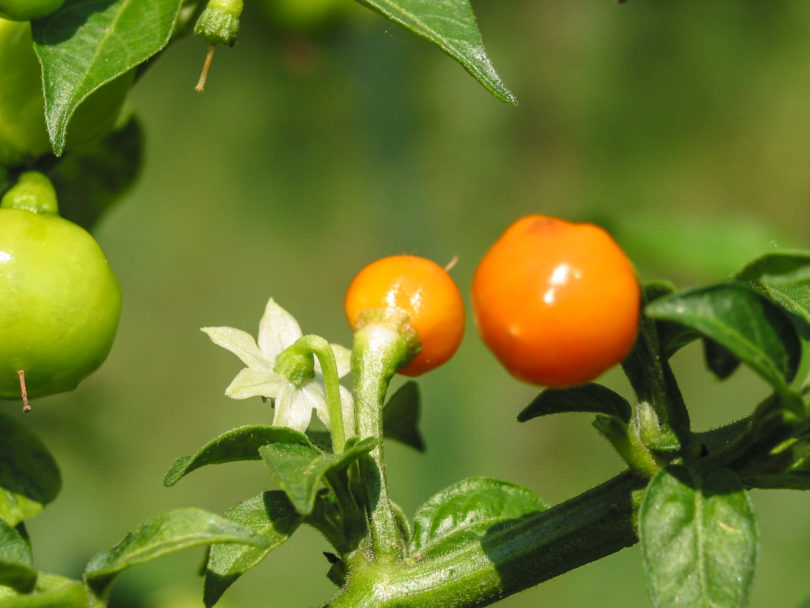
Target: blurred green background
[{"x": 683, "y": 127}]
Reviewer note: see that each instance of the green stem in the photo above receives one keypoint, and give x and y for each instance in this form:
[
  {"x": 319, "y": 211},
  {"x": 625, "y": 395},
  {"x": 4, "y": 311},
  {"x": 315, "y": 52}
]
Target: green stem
[
  {"x": 295, "y": 364},
  {"x": 379, "y": 351},
  {"x": 626, "y": 442},
  {"x": 511, "y": 557},
  {"x": 331, "y": 382}
]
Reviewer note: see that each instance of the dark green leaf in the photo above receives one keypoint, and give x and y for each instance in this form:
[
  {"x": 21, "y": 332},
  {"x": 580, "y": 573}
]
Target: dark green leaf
[
  {"x": 299, "y": 467},
  {"x": 29, "y": 477},
  {"x": 586, "y": 398},
  {"x": 16, "y": 562},
  {"x": 401, "y": 416},
  {"x": 791, "y": 480},
  {"x": 671, "y": 336},
  {"x": 51, "y": 591},
  {"x": 464, "y": 511},
  {"x": 783, "y": 278},
  {"x": 161, "y": 535},
  {"x": 241, "y": 443},
  {"x": 742, "y": 322},
  {"x": 787, "y": 467},
  {"x": 450, "y": 25},
  {"x": 90, "y": 179},
  {"x": 272, "y": 517},
  {"x": 88, "y": 44},
  {"x": 719, "y": 361},
  {"x": 698, "y": 539}
]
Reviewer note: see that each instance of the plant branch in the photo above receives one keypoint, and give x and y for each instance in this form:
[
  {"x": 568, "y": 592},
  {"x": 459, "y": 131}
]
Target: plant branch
[{"x": 512, "y": 556}]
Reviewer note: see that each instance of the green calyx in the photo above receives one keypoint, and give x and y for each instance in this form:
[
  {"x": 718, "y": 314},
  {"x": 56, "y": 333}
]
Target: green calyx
[
  {"x": 297, "y": 364},
  {"x": 33, "y": 192},
  {"x": 219, "y": 21},
  {"x": 396, "y": 321}
]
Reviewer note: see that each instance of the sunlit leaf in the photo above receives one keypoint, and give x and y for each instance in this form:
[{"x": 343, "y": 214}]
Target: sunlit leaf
[
  {"x": 698, "y": 539},
  {"x": 464, "y": 511},
  {"x": 161, "y": 535},
  {"x": 241, "y": 443},
  {"x": 740, "y": 321},
  {"x": 87, "y": 44},
  {"x": 272, "y": 517},
  {"x": 784, "y": 278},
  {"x": 451, "y": 25},
  {"x": 299, "y": 467}
]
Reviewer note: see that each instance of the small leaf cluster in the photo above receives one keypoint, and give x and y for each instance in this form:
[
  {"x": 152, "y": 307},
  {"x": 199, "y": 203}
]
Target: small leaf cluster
[{"x": 697, "y": 529}]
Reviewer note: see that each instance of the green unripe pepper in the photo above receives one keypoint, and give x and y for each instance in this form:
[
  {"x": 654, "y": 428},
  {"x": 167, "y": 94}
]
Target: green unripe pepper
[
  {"x": 26, "y": 10},
  {"x": 60, "y": 299}
]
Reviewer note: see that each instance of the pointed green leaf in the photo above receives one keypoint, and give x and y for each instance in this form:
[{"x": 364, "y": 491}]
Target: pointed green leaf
[
  {"x": 783, "y": 278},
  {"x": 719, "y": 360},
  {"x": 742, "y": 322},
  {"x": 698, "y": 539},
  {"x": 299, "y": 467},
  {"x": 92, "y": 178},
  {"x": 51, "y": 591},
  {"x": 450, "y": 25},
  {"x": 401, "y": 416},
  {"x": 272, "y": 517},
  {"x": 161, "y": 535},
  {"x": 241, "y": 443},
  {"x": 29, "y": 477},
  {"x": 586, "y": 398},
  {"x": 88, "y": 44},
  {"x": 464, "y": 511},
  {"x": 16, "y": 562}
]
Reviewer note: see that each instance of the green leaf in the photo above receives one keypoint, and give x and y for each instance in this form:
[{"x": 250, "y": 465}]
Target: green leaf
[
  {"x": 90, "y": 43},
  {"x": 241, "y": 443},
  {"x": 161, "y": 535},
  {"x": 401, "y": 416},
  {"x": 783, "y": 278},
  {"x": 16, "y": 561},
  {"x": 450, "y": 25},
  {"x": 464, "y": 511},
  {"x": 91, "y": 178},
  {"x": 272, "y": 517},
  {"x": 698, "y": 539},
  {"x": 29, "y": 477},
  {"x": 51, "y": 591},
  {"x": 299, "y": 467},
  {"x": 719, "y": 360},
  {"x": 742, "y": 322},
  {"x": 585, "y": 398}
]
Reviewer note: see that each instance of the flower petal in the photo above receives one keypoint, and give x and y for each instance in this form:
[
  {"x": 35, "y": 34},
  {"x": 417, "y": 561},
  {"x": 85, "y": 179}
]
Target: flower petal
[
  {"x": 255, "y": 383},
  {"x": 241, "y": 344},
  {"x": 313, "y": 394},
  {"x": 291, "y": 410},
  {"x": 278, "y": 329},
  {"x": 343, "y": 358}
]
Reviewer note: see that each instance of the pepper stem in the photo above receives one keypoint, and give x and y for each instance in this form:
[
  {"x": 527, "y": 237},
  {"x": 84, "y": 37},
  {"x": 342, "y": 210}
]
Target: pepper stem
[
  {"x": 24, "y": 391},
  {"x": 379, "y": 351}
]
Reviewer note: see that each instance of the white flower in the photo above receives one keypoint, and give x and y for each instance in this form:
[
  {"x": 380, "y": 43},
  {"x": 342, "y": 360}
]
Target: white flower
[{"x": 293, "y": 405}]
